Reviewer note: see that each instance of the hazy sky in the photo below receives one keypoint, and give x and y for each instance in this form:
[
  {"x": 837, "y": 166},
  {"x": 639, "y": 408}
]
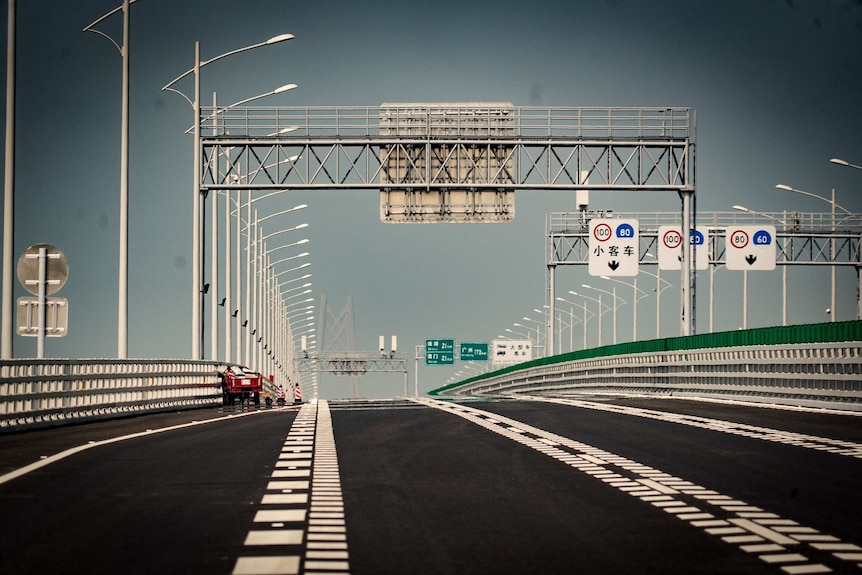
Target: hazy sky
[{"x": 776, "y": 86}]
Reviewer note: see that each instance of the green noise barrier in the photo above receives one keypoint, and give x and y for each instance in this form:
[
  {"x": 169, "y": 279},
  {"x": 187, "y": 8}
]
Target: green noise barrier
[{"x": 830, "y": 332}]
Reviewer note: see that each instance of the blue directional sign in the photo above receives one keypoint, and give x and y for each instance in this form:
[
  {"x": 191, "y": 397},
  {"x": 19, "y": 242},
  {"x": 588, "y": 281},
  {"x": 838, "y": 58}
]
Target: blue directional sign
[
  {"x": 474, "y": 351},
  {"x": 439, "y": 352}
]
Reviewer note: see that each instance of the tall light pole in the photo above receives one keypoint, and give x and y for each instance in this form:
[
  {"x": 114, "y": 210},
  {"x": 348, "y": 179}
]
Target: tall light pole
[
  {"x": 196, "y": 211},
  {"x": 635, "y": 298},
  {"x": 583, "y": 321},
  {"x": 9, "y": 192},
  {"x": 658, "y": 289},
  {"x": 833, "y": 205},
  {"x": 613, "y": 294},
  {"x": 123, "y": 296},
  {"x": 602, "y": 309}
]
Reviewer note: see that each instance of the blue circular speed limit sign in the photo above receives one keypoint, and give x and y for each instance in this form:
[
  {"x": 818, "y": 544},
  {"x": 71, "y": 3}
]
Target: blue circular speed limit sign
[
  {"x": 762, "y": 238},
  {"x": 625, "y": 231},
  {"x": 696, "y": 238}
]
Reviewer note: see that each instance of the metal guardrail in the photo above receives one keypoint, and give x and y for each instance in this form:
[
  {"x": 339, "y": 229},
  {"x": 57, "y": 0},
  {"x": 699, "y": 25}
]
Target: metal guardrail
[
  {"x": 35, "y": 393},
  {"x": 825, "y": 375},
  {"x": 521, "y": 121}
]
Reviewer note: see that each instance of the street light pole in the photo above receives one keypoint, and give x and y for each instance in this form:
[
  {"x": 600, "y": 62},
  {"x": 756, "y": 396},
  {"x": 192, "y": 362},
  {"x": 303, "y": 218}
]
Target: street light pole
[
  {"x": 614, "y": 295},
  {"x": 635, "y": 299},
  {"x": 599, "y": 315},
  {"x": 123, "y": 280},
  {"x": 834, "y": 205},
  {"x": 9, "y": 192},
  {"x": 196, "y": 201}
]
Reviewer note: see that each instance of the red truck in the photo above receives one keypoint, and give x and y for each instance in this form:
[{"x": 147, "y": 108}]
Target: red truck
[{"x": 239, "y": 382}]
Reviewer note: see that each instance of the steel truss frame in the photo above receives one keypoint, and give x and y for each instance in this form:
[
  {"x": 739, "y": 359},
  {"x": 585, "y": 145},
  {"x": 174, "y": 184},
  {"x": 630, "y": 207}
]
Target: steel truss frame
[
  {"x": 351, "y": 363},
  {"x": 634, "y": 149},
  {"x": 548, "y": 148},
  {"x": 809, "y": 240}
]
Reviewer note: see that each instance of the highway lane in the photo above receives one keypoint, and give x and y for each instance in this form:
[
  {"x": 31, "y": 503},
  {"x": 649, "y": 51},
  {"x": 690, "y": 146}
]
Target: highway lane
[
  {"x": 440, "y": 496},
  {"x": 172, "y": 502},
  {"x": 437, "y": 487}
]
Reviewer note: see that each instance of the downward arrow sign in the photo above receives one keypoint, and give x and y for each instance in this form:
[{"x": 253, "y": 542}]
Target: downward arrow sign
[
  {"x": 613, "y": 264},
  {"x": 751, "y": 259}
]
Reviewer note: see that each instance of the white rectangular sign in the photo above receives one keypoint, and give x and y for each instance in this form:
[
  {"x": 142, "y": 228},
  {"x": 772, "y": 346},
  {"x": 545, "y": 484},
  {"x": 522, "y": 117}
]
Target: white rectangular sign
[
  {"x": 508, "y": 351},
  {"x": 749, "y": 247},
  {"x": 56, "y": 317},
  {"x": 613, "y": 247},
  {"x": 670, "y": 247}
]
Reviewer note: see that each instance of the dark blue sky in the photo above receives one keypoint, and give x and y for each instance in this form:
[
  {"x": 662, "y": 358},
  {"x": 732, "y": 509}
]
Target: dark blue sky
[{"x": 776, "y": 85}]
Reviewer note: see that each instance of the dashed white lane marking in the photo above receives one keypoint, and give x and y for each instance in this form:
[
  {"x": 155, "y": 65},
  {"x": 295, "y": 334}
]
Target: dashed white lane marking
[
  {"x": 836, "y": 446},
  {"x": 306, "y": 532},
  {"x": 753, "y": 529}
]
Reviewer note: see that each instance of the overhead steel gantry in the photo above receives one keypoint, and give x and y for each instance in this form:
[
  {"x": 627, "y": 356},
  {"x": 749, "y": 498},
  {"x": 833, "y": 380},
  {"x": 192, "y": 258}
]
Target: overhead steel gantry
[
  {"x": 801, "y": 239},
  {"x": 352, "y": 364},
  {"x": 476, "y": 153}
]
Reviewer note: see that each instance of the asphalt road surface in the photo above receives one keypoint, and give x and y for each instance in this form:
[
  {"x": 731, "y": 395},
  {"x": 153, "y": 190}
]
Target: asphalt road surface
[{"x": 582, "y": 485}]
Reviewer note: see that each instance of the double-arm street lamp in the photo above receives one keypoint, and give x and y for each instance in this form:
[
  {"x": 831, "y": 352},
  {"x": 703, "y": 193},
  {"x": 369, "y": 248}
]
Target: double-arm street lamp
[
  {"x": 638, "y": 294},
  {"x": 196, "y": 212},
  {"x": 123, "y": 299},
  {"x": 613, "y": 294},
  {"x": 833, "y": 205},
  {"x": 603, "y": 308},
  {"x": 572, "y": 321}
]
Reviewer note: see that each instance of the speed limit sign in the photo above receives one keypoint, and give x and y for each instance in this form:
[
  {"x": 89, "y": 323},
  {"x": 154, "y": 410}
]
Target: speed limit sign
[
  {"x": 750, "y": 248},
  {"x": 670, "y": 247},
  {"x": 613, "y": 247}
]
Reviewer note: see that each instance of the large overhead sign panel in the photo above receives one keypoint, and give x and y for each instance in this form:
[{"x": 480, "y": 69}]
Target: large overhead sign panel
[{"x": 447, "y": 163}]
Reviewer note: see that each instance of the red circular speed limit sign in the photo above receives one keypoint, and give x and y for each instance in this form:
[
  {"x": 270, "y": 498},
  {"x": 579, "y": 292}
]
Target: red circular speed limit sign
[
  {"x": 672, "y": 239},
  {"x": 602, "y": 232},
  {"x": 739, "y": 239}
]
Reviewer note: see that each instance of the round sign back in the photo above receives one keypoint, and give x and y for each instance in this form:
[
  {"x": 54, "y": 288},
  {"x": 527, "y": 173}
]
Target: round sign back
[{"x": 28, "y": 269}]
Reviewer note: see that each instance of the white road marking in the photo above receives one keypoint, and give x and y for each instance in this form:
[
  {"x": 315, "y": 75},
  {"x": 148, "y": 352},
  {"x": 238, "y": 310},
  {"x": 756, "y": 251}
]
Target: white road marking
[
  {"x": 837, "y": 446},
  {"x": 736, "y": 522},
  {"x": 47, "y": 460}
]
